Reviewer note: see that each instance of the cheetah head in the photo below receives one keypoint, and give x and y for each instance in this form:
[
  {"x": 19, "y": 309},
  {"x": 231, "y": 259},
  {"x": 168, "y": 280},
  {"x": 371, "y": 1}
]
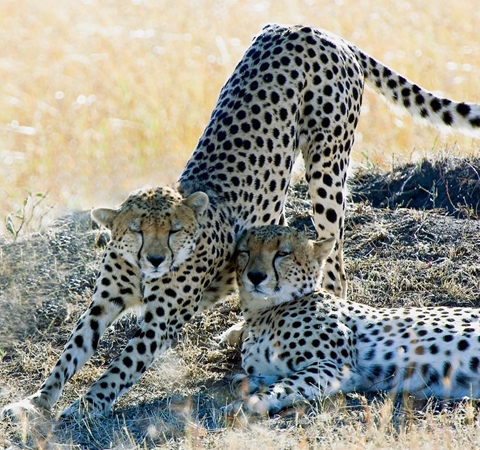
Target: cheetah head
[
  {"x": 276, "y": 264},
  {"x": 155, "y": 229}
]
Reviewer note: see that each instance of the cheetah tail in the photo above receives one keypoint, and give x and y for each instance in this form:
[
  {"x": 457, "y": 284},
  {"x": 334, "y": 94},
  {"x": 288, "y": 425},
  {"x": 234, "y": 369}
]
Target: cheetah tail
[{"x": 420, "y": 103}]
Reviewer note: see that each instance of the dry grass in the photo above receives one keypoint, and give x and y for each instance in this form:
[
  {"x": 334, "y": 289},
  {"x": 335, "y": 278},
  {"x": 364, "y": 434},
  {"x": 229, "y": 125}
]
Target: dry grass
[{"x": 100, "y": 97}]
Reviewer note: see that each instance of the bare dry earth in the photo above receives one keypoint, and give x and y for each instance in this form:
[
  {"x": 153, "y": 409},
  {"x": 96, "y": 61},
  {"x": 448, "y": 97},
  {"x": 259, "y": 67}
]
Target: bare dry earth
[{"x": 395, "y": 255}]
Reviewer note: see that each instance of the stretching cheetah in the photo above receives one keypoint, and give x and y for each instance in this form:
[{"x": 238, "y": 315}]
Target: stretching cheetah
[
  {"x": 303, "y": 342},
  {"x": 296, "y": 90}
]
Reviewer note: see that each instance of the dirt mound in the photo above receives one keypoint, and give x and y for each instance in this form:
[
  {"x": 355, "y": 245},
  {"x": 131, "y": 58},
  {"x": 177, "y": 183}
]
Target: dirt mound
[
  {"x": 403, "y": 256},
  {"x": 452, "y": 184}
]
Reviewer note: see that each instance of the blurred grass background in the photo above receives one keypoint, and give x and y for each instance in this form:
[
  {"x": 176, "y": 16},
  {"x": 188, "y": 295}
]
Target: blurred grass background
[{"x": 99, "y": 97}]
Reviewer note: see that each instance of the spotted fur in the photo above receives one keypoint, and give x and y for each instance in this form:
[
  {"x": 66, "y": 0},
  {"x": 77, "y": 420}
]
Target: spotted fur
[
  {"x": 297, "y": 90},
  {"x": 304, "y": 343}
]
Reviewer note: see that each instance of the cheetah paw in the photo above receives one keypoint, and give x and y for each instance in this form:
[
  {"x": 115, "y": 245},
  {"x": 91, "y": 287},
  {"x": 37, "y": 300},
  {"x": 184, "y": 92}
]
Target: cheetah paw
[
  {"x": 81, "y": 409},
  {"x": 234, "y": 336},
  {"x": 244, "y": 385},
  {"x": 251, "y": 406},
  {"x": 25, "y": 409}
]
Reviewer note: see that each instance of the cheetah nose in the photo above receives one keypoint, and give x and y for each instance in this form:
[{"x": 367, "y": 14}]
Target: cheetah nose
[
  {"x": 155, "y": 260},
  {"x": 256, "y": 277}
]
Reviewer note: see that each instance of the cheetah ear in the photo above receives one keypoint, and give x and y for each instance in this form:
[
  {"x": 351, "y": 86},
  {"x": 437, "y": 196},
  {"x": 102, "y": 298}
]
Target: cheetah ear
[
  {"x": 198, "y": 201},
  {"x": 104, "y": 216},
  {"x": 323, "y": 248}
]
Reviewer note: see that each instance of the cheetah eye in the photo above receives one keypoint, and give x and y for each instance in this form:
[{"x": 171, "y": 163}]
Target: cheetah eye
[
  {"x": 282, "y": 254},
  {"x": 176, "y": 227},
  {"x": 134, "y": 226}
]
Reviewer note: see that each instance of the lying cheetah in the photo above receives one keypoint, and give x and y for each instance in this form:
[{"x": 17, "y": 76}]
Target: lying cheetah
[
  {"x": 296, "y": 90},
  {"x": 303, "y": 342}
]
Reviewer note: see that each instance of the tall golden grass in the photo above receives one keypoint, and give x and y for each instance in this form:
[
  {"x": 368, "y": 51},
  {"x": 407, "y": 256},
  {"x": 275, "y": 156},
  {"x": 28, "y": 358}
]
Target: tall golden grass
[{"x": 99, "y": 97}]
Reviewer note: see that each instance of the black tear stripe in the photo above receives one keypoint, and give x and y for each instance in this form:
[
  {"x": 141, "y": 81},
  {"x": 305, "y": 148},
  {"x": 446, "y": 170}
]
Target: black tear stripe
[{"x": 141, "y": 246}]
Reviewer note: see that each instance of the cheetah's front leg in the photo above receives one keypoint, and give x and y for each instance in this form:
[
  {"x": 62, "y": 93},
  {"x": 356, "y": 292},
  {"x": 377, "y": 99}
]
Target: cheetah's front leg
[
  {"x": 163, "y": 317},
  {"x": 317, "y": 380},
  {"x": 117, "y": 289}
]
